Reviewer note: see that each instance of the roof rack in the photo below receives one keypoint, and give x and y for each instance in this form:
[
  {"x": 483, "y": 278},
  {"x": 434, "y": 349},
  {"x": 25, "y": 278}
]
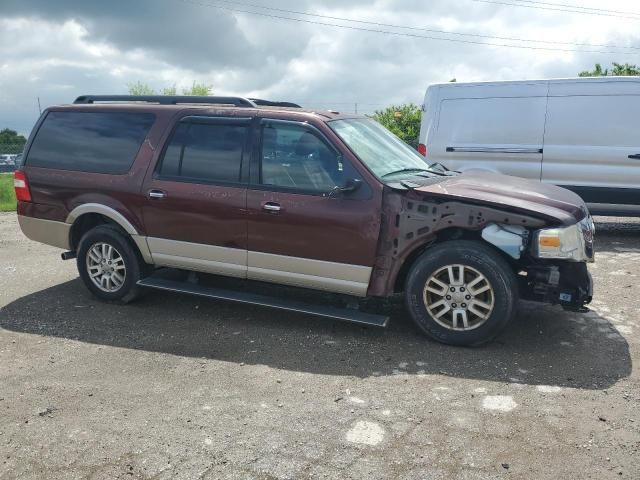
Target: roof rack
[
  {"x": 270, "y": 103},
  {"x": 167, "y": 99}
]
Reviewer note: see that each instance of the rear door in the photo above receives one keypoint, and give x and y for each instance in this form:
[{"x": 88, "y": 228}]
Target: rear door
[
  {"x": 299, "y": 232},
  {"x": 195, "y": 210},
  {"x": 592, "y": 146},
  {"x": 503, "y": 135}
]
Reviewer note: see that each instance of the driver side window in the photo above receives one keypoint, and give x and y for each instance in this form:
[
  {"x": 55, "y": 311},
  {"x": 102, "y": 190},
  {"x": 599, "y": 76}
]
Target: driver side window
[{"x": 296, "y": 158}]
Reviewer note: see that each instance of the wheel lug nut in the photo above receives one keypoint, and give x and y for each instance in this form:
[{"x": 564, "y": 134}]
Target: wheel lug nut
[
  {"x": 463, "y": 305},
  {"x": 453, "y": 289},
  {"x": 448, "y": 297},
  {"x": 462, "y": 289},
  {"x": 467, "y": 297},
  {"x": 454, "y": 305}
]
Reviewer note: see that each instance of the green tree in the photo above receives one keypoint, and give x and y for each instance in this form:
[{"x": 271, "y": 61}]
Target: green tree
[
  {"x": 170, "y": 90},
  {"x": 140, "y": 88},
  {"x": 11, "y": 137},
  {"x": 402, "y": 120},
  {"x": 626, "y": 69},
  {"x": 201, "y": 89},
  {"x": 617, "y": 69}
]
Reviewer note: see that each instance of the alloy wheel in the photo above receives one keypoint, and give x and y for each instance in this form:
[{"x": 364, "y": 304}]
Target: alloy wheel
[
  {"x": 106, "y": 267},
  {"x": 459, "y": 297}
]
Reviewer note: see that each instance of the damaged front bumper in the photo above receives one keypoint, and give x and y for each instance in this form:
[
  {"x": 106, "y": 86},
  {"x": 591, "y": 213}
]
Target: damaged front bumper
[{"x": 566, "y": 283}]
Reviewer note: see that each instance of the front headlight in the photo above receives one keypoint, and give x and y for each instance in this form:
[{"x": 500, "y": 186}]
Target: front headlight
[{"x": 570, "y": 243}]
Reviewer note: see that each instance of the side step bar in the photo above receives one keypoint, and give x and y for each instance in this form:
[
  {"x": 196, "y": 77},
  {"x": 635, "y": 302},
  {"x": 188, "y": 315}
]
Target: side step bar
[{"x": 336, "y": 313}]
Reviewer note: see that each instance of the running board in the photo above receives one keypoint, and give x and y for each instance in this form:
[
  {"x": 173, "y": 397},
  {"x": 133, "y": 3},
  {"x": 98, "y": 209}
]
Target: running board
[{"x": 336, "y": 313}]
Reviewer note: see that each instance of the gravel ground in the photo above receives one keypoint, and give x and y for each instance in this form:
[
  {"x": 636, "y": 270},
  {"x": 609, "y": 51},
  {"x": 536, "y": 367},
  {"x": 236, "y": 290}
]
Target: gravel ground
[{"x": 179, "y": 387}]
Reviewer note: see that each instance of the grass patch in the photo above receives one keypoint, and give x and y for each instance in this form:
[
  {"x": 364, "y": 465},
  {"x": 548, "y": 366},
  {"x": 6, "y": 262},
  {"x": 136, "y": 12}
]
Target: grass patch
[{"x": 7, "y": 195}]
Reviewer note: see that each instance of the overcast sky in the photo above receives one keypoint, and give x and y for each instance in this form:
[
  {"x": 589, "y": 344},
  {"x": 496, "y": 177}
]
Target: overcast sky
[{"x": 57, "y": 50}]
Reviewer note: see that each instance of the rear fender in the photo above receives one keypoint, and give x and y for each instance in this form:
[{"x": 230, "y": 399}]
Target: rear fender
[{"x": 117, "y": 218}]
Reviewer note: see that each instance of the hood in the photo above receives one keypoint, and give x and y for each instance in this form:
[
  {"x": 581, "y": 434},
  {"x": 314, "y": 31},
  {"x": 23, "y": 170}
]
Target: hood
[{"x": 511, "y": 193}]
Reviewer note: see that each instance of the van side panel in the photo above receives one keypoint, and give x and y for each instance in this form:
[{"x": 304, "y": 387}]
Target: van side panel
[
  {"x": 492, "y": 127},
  {"x": 587, "y": 146}
]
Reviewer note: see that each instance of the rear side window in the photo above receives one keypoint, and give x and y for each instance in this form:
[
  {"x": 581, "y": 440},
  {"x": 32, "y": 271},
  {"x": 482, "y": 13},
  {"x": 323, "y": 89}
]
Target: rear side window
[
  {"x": 201, "y": 152},
  {"x": 96, "y": 142}
]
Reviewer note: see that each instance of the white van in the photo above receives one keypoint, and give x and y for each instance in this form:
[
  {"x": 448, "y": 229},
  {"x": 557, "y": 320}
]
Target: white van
[{"x": 582, "y": 134}]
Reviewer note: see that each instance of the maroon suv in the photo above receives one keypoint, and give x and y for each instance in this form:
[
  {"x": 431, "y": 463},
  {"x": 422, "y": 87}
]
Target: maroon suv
[{"x": 269, "y": 192}]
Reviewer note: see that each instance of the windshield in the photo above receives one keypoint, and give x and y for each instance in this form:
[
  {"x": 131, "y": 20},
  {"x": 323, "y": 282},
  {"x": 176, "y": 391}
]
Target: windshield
[{"x": 384, "y": 153}]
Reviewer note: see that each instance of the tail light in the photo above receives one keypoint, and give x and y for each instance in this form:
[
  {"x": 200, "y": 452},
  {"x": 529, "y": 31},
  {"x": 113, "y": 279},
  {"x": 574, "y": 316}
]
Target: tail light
[
  {"x": 21, "y": 185},
  {"x": 422, "y": 149}
]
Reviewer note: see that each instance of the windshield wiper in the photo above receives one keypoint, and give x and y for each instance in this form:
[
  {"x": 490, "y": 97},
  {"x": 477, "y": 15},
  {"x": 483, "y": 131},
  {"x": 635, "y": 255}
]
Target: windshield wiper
[
  {"x": 402, "y": 170},
  {"x": 439, "y": 166}
]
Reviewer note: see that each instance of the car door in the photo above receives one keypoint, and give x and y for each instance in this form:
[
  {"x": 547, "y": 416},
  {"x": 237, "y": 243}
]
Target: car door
[
  {"x": 195, "y": 211},
  {"x": 301, "y": 230},
  {"x": 592, "y": 146}
]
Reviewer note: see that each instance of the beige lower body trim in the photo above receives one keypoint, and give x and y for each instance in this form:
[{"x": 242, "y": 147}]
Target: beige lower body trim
[
  {"x": 231, "y": 262},
  {"x": 48, "y": 232},
  {"x": 309, "y": 273},
  {"x": 143, "y": 247},
  {"x": 265, "y": 267}
]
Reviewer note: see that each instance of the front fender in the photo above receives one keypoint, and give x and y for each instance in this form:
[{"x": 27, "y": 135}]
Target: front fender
[{"x": 410, "y": 223}]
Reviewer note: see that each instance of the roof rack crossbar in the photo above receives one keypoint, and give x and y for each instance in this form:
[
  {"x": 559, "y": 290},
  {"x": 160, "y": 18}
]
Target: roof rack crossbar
[{"x": 167, "y": 99}]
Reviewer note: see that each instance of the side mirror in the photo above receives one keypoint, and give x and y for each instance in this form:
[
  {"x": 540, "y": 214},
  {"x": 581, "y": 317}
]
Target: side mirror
[{"x": 350, "y": 186}]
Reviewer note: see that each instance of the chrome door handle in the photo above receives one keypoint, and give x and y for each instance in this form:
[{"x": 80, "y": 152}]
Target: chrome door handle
[
  {"x": 156, "y": 194},
  {"x": 635, "y": 156},
  {"x": 271, "y": 207}
]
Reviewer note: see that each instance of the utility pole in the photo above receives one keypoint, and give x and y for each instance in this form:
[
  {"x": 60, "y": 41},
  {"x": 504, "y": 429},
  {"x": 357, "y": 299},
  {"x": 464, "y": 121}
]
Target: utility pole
[
  {"x": 356, "y": 107},
  {"x": 39, "y": 107}
]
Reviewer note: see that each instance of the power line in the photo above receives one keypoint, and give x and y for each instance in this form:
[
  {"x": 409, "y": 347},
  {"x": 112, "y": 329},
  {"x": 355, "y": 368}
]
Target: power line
[
  {"x": 405, "y": 27},
  {"x": 567, "y": 5},
  {"x": 405, "y": 34},
  {"x": 568, "y": 9}
]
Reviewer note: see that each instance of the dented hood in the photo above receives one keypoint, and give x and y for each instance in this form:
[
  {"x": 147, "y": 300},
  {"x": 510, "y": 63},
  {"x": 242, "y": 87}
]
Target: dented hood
[{"x": 511, "y": 193}]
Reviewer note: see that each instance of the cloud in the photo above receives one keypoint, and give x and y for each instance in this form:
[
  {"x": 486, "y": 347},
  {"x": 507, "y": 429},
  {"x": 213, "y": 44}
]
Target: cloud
[{"x": 59, "y": 50}]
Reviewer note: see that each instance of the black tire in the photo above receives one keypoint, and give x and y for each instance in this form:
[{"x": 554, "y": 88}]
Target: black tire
[
  {"x": 479, "y": 257},
  {"x": 134, "y": 266}
]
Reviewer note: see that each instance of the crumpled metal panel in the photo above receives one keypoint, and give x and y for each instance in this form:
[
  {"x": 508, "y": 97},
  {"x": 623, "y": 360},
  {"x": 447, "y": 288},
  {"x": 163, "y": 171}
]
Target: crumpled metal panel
[{"x": 410, "y": 222}]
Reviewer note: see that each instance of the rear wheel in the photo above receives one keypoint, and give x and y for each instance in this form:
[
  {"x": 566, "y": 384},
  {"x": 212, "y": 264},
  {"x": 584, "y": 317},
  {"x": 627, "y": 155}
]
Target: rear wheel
[
  {"x": 461, "y": 293},
  {"x": 109, "y": 265}
]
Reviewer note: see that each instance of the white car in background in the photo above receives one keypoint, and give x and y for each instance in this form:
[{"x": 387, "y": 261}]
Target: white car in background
[{"x": 582, "y": 134}]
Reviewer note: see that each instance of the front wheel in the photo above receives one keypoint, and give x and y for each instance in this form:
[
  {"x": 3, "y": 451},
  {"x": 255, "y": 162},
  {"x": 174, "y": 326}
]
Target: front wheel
[
  {"x": 109, "y": 265},
  {"x": 461, "y": 293}
]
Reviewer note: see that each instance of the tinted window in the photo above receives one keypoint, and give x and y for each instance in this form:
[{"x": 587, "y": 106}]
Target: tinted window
[
  {"x": 294, "y": 157},
  {"x": 205, "y": 152},
  {"x": 89, "y": 142}
]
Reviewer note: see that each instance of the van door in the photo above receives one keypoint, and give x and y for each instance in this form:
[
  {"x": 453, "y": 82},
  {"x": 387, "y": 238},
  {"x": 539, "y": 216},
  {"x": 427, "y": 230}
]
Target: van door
[
  {"x": 592, "y": 146},
  {"x": 195, "y": 208},
  {"x": 501, "y": 135}
]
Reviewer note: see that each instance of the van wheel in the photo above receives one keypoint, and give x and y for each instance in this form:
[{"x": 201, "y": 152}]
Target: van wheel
[
  {"x": 109, "y": 265},
  {"x": 461, "y": 293}
]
